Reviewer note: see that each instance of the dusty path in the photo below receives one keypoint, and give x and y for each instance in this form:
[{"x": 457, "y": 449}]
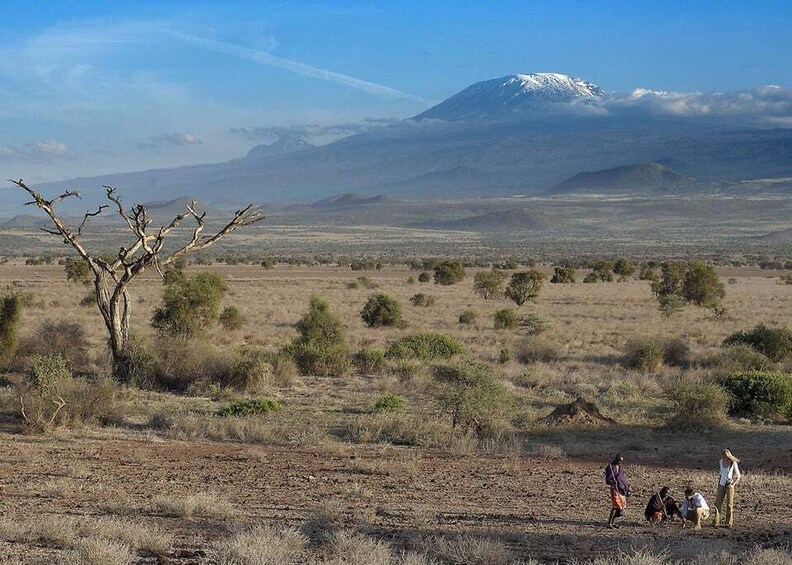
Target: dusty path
[{"x": 544, "y": 509}]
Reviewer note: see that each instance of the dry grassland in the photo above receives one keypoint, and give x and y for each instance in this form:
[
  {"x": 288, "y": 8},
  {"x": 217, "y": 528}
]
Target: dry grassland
[{"x": 329, "y": 480}]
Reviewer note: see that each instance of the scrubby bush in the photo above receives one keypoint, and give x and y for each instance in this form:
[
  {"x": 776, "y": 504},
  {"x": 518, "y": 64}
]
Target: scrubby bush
[
  {"x": 64, "y": 338},
  {"x": 426, "y": 346},
  {"x": 422, "y": 300},
  {"x": 505, "y": 319},
  {"x": 370, "y": 361},
  {"x": 51, "y": 397},
  {"x": 504, "y": 356},
  {"x": 449, "y": 272},
  {"x": 381, "y": 310},
  {"x": 250, "y": 407},
  {"x": 471, "y": 394},
  {"x": 524, "y": 287},
  {"x": 676, "y": 352},
  {"x": 648, "y": 273},
  {"x": 534, "y": 350},
  {"x": 467, "y": 317},
  {"x": 760, "y": 393},
  {"x": 694, "y": 283},
  {"x": 563, "y": 275},
  {"x": 251, "y": 370},
  {"x": 602, "y": 272},
  {"x": 410, "y": 280},
  {"x": 623, "y": 268},
  {"x": 489, "y": 284},
  {"x": 532, "y": 324},
  {"x": 424, "y": 277},
  {"x": 231, "y": 319},
  {"x": 697, "y": 405},
  {"x": 774, "y": 343},
  {"x": 389, "y": 402},
  {"x": 321, "y": 348},
  {"x": 78, "y": 270},
  {"x": 739, "y": 358},
  {"x": 10, "y": 313},
  {"x": 644, "y": 354},
  {"x": 190, "y": 305}
]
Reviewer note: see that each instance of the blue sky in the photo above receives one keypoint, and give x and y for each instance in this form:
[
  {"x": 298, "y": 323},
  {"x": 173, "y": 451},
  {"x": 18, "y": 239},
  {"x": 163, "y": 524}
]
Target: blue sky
[{"x": 90, "y": 87}]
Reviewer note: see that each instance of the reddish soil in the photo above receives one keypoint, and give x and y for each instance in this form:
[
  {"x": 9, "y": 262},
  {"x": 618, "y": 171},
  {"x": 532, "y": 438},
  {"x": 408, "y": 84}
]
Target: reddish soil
[{"x": 548, "y": 510}]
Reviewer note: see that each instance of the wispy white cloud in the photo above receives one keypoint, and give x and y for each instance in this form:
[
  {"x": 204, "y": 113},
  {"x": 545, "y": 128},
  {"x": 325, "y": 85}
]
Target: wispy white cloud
[
  {"x": 177, "y": 139},
  {"x": 296, "y": 67}
]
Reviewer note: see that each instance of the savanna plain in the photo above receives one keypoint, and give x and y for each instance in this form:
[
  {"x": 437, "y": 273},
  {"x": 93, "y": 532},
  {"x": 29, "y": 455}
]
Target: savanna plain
[{"x": 222, "y": 450}]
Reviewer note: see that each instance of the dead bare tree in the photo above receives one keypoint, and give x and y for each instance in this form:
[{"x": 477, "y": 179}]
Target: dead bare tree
[{"x": 113, "y": 277}]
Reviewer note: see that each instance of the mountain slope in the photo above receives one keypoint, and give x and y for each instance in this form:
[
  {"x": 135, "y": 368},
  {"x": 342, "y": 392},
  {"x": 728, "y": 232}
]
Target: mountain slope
[
  {"x": 642, "y": 178},
  {"x": 512, "y": 94}
]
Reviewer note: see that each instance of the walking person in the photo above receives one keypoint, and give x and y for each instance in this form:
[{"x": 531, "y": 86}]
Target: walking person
[
  {"x": 616, "y": 479},
  {"x": 728, "y": 477}
]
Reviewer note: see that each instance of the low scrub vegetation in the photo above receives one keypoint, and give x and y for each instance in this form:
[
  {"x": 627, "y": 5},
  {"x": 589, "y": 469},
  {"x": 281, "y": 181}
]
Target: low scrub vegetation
[
  {"x": 696, "y": 405},
  {"x": 505, "y": 319},
  {"x": 382, "y": 310},
  {"x": 321, "y": 348},
  {"x": 250, "y": 407},
  {"x": 760, "y": 393},
  {"x": 427, "y": 346},
  {"x": 773, "y": 343}
]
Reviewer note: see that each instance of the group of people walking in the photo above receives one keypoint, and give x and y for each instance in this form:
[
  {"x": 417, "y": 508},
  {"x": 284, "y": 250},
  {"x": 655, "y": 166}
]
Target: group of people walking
[{"x": 663, "y": 508}]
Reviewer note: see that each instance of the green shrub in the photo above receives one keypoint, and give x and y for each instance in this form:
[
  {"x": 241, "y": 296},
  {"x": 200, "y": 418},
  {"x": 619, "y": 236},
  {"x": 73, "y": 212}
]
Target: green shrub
[
  {"x": 190, "y": 305},
  {"x": 449, "y": 272},
  {"x": 381, "y": 310},
  {"x": 389, "y": 402},
  {"x": 644, "y": 354},
  {"x": 231, "y": 319},
  {"x": 410, "y": 280},
  {"x": 695, "y": 283},
  {"x": 534, "y": 350},
  {"x": 51, "y": 397},
  {"x": 426, "y": 346},
  {"x": 10, "y": 313},
  {"x": 524, "y": 287},
  {"x": 623, "y": 268},
  {"x": 774, "y": 343},
  {"x": 370, "y": 361},
  {"x": 321, "y": 348},
  {"x": 424, "y": 277},
  {"x": 505, "y": 319},
  {"x": 250, "y": 407},
  {"x": 532, "y": 324},
  {"x": 563, "y": 275},
  {"x": 467, "y": 317},
  {"x": 78, "y": 270},
  {"x": 739, "y": 359},
  {"x": 697, "y": 405},
  {"x": 489, "y": 284},
  {"x": 422, "y": 300},
  {"x": 504, "y": 355},
  {"x": 760, "y": 393},
  {"x": 602, "y": 272},
  {"x": 470, "y": 393},
  {"x": 251, "y": 370}
]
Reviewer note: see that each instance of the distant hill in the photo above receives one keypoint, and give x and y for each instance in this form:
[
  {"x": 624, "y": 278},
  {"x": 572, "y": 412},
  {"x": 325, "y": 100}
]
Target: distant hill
[
  {"x": 512, "y": 220},
  {"x": 642, "y": 178},
  {"x": 24, "y": 221},
  {"x": 283, "y": 146},
  {"x": 350, "y": 200}
]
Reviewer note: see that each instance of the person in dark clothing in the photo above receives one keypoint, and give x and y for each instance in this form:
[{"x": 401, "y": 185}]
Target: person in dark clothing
[
  {"x": 616, "y": 479},
  {"x": 661, "y": 507}
]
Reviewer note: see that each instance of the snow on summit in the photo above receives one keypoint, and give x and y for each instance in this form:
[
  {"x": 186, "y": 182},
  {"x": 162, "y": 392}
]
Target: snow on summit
[{"x": 513, "y": 94}]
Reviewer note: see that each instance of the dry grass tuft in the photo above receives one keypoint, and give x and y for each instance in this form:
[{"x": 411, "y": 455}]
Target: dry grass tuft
[
  {"x": 352, "y": 548},
  {"x": 100, "y": 551},
  {"x": 466, "y": 550},
  {"x": 133, "y": 534},
  {"x": 263, "y": 545},
  {"x": 202, "y": 505}
]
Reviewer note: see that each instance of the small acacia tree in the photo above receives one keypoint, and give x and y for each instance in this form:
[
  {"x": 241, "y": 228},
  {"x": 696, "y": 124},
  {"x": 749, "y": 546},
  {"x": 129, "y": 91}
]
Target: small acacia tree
[
  {"x": 688, "y": 283},
  {"x": 489, "y": 284},
  {"x": 189, "y": 304},
  {"x": 623, "y": 268},
  {"x": 449, "y": 272},
  {"x": 113, "y": 276},
  {"x": 525, "y": 286},
  {"x": 563, "y": 275}
]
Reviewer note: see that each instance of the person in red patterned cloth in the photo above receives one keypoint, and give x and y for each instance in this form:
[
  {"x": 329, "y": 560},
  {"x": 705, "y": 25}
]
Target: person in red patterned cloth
[{"x": 616, "y": 479}]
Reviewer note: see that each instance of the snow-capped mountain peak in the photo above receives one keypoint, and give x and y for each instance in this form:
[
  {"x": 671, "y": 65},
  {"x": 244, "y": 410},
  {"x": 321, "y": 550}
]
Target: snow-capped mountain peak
[{"x": 513, "y": 94}]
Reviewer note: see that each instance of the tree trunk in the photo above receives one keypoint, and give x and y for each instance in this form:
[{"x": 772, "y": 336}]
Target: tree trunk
[{"x": 113, "y": 301}]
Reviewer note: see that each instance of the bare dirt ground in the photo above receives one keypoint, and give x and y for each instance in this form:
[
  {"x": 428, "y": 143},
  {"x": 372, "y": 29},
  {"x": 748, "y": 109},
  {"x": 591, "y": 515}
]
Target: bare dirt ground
[{"x": 544, "y": 509}]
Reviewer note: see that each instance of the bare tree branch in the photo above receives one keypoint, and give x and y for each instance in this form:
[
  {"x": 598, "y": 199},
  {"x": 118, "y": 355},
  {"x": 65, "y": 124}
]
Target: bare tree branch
[{"x": 90, "y": 215}]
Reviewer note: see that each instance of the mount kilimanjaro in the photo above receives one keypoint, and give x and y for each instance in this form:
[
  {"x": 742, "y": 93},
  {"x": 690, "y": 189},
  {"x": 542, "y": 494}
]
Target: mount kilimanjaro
[{"x": 519, "y": 134}]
